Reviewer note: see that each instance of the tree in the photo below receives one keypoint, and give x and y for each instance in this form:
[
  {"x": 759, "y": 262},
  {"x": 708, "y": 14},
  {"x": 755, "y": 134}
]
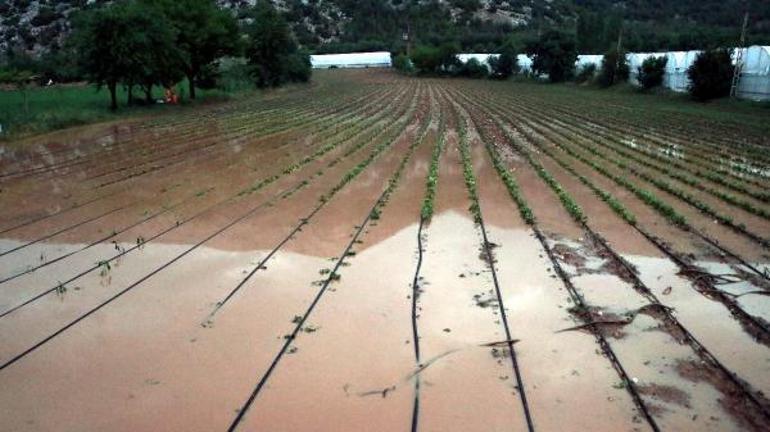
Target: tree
[
  {"x": 123, "y": 43},
  {"x": 711, "y": 75},
  {"x": 204, "y": 33},
  {"x": 426, "y": 59},
  {"x": 440, "y": 60},
  {"x": 102, "y": 42},
  {"x": 614, "y": 68},
  {"x": 554, "y": 53},
  {"x": 272, "y": 51},
  {"x": 650, "y": 73},
  {"x": 504, "y": 65}
]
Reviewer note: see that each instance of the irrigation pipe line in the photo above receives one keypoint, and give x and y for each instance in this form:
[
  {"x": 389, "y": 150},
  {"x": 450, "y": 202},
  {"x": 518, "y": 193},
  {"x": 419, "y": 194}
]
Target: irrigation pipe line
[{"x": 207, "y": 209}]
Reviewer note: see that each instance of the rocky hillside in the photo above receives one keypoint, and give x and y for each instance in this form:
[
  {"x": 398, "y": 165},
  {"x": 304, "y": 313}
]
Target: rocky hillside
[{"x": 38, "y": 26}]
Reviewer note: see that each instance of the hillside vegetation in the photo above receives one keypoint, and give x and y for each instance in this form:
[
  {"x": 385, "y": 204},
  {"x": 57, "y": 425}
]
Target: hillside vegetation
[{"x": 38, "y": 27}]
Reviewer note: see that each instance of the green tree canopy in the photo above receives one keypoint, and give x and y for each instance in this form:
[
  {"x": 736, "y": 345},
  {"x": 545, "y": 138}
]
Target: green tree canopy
[
  {"x": 554, "y": 53},
  {"x": 271, "y": 49},
  {"x": 204, "y": 33},
  {"x": 125, "y": 43}
]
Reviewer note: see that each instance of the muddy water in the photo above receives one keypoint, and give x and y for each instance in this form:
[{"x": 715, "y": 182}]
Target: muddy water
[
  {"x": 650, "y": 355},
  {"x": 154, "y": 360},
  {"x": 569, "y": 386},
  {"x": 286, "y": 285},
  {"x": 709, "y": 322},
  {"x": 348, "y": 363},
  {"x": 270, "y": 148},
  {"x": 104, "y": 226},
  {"x": 142, "y": 264},
  {"x": 451, "y": 323},
  {"x": 621, "y": 299},
  {"x": 185, "y": 234},
  {"x": 727, "y": 237}
]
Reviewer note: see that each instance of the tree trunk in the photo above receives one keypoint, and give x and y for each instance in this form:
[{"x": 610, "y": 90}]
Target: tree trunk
[
  {"x": 148, "y": 94},
  {"x": 130, "y": 97},
  {"x": 191, "y": 81},
  {"x": 113, "y": 95},
  {"x": 26, "y": 100}
]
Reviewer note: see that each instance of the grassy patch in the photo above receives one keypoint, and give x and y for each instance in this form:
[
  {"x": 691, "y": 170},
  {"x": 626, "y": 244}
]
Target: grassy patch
[{"x": 63, "y": 106}]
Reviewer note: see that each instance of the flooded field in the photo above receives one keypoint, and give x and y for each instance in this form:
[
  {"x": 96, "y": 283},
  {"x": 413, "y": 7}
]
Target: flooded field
[{"x": 381, "y": 253}]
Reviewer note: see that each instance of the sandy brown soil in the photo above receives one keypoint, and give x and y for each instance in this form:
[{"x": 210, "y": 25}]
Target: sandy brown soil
[{"x": 267, "y": 265}]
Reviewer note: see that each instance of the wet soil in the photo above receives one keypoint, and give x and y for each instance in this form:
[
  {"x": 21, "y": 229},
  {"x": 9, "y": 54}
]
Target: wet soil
[{"x": 198, "y": 329}]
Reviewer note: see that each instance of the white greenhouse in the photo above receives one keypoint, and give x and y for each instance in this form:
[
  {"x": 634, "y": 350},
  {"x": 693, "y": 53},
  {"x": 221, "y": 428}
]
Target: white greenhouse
[
  {"x": 584, "y": 60},
  {"x": 351, "y": 60},
  {"x": 676, "y": 69},
  {"x": 755, "y": 77},
  {"x": 481, "y": 58}
]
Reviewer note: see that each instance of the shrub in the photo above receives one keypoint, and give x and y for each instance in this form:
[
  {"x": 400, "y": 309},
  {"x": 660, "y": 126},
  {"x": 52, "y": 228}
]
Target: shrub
[
  {"x": 614, "y": 68},
  {"x": 402, "y": 63},
  {"x": 711, "y": 75},
  {"x": 586, "y": 73},
  {"x": 650, "y": 73}
]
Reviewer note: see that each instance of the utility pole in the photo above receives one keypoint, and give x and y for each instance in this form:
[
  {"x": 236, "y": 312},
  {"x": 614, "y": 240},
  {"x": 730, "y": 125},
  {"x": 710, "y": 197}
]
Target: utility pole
[
  {"x": 739, "y": 58},
  {"x": 618, "y": 60}
]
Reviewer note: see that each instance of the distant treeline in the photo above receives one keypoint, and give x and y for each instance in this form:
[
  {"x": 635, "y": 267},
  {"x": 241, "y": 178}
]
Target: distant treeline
[
  {"x": 141, "y": 44},
  {"x": 646, "y": 25}
]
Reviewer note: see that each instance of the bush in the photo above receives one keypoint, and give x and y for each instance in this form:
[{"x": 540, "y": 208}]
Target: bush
[
  {"x": 586, "y": 73},
  {"x": 473, "y": 69},
  {"x": 504, "y": 65},
  {"x": 650, "y": 73},
  {"x": 402, "y": 63},
  {"x": 711, "y": 75},
  {"x": 614, "y": 68}
]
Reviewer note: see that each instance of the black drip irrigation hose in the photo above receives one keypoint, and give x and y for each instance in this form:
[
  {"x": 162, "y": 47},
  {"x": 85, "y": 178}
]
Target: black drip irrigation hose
[
  {"x": 694, "y": 343},
  {"x": 126, "y": 251},
  {"x": 743, "y": 317},
  {"x": 101, "y": 240},
  {"x": 261, "y": 264},
  {"x": 90, "y": 157},
  {"x": 732, "y": 254},
  {"x": 139, "y": 245},
  {"x": 144, "y": 278},
  {"x": 333, "y": 275},
  {"x": 58, "y": 212},
  {"x": 500, "y": 303},
  {"x": 415, "y": 329},
  {"x": 508, "y": 337},
  {"x": 290, "y": 338},
  {"x": 507, "y": 116},
  {"x": 65, "y": 229},
  {"x": 159, "y": 164},
  {"x": 600, "y": 339}
]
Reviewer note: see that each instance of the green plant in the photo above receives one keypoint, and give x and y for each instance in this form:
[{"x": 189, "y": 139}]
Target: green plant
[
  {"x": 711, "y": 75},
  {"x": 650, "y": 73}
]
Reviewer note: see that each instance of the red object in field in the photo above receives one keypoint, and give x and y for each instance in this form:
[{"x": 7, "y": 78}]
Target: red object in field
[{"x": 171, "y": 97}]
